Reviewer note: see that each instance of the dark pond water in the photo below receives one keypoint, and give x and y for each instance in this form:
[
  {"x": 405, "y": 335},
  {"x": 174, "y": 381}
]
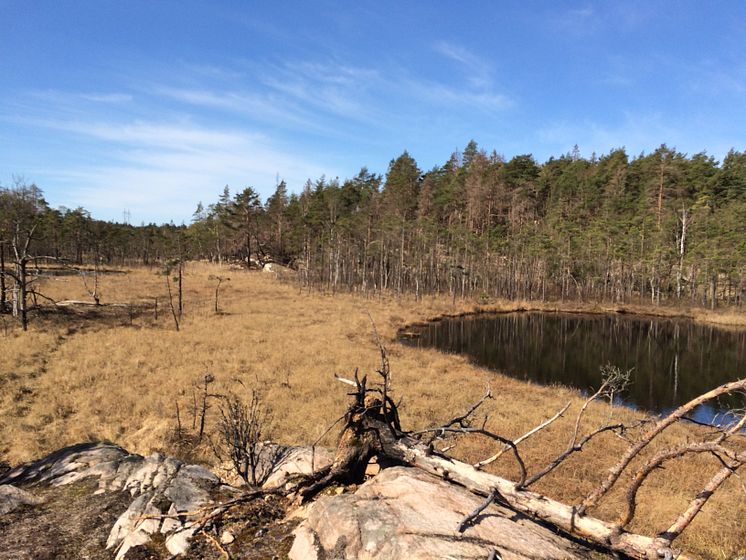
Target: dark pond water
[{"x": 672, "y": 360}]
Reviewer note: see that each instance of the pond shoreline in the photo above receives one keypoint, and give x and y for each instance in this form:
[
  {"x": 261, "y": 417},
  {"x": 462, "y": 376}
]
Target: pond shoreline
[{"x": 726, "y": 319}]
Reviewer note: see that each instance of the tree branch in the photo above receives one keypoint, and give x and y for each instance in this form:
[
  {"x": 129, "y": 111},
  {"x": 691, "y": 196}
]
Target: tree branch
[
  {"x": 713, "y": 446},
  {"x": 524, "y": 437},
  {"x": 696, "y": 505},
  {"x": 615, "y": 472},
  {"x": 469, "y": 519}
]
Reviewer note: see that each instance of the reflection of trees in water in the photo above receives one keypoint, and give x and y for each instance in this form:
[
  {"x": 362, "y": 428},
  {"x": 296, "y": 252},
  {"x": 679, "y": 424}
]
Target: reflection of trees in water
[{"x": 673, "y": 360}]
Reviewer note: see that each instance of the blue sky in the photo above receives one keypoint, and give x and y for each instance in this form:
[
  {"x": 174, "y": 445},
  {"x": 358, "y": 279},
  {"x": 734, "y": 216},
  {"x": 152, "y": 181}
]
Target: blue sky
[{"x": 153, "y": 106}]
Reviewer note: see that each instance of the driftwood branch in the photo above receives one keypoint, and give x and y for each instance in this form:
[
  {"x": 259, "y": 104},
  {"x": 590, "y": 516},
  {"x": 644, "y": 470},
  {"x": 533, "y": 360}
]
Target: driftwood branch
[
  {"x": 205, "y": 514},
  {"x": 666, "y": 455},
  {"x": 574, "y": 447},
  {"x": 462, "y": 420},
  {"x": 368, "y": 433},
  {"x": 345, "y": 380},
  {"x": 81, "y": 303},
  {"x": 318, "y": 439},
  {"x": 481, "y": 431},
  {"x": 216, "y": 543},
  {"x": 461, "y": 424},
  {"x": 536, "y": 506},
  {"x": 39, "y": 294},
  {"x": 614, "y": 381}
]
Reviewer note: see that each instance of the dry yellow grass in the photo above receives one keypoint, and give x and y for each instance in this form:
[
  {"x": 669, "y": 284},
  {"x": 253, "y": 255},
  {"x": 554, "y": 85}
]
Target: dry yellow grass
[{"x": 73, "y": 379}]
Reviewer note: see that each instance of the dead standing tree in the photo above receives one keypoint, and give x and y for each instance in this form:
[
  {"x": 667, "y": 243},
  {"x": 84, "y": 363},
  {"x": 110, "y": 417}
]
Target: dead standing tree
[
  {"x": 3, "y": 297},
  {"x": 177, "y": 308},
  {"x": 94, "y": 291},
  {"x": 220, "y": 280},
  {"x": 20, "y": 242},
  {"x": 22, "y": 228},
  {"x": 21, "y": 213},
  {"x": 372, "y": 429}
]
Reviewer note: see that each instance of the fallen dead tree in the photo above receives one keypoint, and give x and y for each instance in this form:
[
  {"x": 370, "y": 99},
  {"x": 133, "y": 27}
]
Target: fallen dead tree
[
  {"x": 372, "y": 429},
  {"x": 81, "y": 303}
]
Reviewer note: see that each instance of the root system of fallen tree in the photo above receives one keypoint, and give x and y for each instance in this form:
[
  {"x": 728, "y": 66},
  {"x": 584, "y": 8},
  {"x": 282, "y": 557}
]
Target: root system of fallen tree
[{"x": 372, "y": 429}]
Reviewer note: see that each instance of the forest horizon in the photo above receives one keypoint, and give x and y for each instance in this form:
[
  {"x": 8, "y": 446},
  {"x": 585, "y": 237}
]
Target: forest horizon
[{"x": 659, "y": 226}]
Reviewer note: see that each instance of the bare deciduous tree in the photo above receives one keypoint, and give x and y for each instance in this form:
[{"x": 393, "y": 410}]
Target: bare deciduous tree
[{"x": 21, "y": 210}]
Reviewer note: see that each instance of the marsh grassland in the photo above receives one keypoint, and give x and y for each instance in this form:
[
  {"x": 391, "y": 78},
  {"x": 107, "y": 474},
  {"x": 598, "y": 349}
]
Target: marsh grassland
[{"x": 118, "y": 375}]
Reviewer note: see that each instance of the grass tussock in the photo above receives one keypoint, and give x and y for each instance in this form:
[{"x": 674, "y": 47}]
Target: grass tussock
[{"x": 118, "y": 375}]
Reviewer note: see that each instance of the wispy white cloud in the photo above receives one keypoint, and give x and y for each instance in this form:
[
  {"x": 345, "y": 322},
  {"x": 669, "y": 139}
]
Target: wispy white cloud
[
  {"x": 333, "y": 98},
  {"x": 107, "y": 97},
  {"x": 165, "y": 135},
  {"x": 310, "y": 97},
  {"x": 172, "y": 142},
  {"x": 457, "y": 53},
  {"x": 717, "y": 79},
  {"x": 637, "y": 133},
  {"x": 615, "y": 80},
  {"x": 577, "y": 22},
  {"x": 68, "y": 99},
  {"x": 162, "y": 169},
  {"x": 257, "y": 106},
  {"x": 328, "y": 87},
  {"x": 585, "y": 21},
  {"x": 212, "y": 71},
  {"x": 473, "y": 100},
  {"x": 477, "y": 70},
  {"x": 478, "y": 92}
]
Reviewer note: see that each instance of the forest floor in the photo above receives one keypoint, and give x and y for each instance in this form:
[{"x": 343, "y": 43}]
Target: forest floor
[{"x": 118, "y": 373}]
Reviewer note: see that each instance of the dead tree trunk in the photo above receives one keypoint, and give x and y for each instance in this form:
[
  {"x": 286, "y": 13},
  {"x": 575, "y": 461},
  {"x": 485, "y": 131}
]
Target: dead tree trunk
[
  {"x": 684, "y": 220},
  {"x": 181, "y": 289},
  {"x": 537, "y": 506},
  {"x": 22, "y": 292}
]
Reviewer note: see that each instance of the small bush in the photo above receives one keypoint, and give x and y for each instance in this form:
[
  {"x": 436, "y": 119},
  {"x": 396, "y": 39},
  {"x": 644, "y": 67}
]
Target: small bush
[{"x": 241, "y": 429}]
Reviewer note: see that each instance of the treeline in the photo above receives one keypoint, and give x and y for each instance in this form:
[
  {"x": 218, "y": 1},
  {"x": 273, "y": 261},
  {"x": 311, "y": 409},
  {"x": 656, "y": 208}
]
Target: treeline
[
  {"x": 657, "y": 227},
  {"x": 72, "y": 236}
]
